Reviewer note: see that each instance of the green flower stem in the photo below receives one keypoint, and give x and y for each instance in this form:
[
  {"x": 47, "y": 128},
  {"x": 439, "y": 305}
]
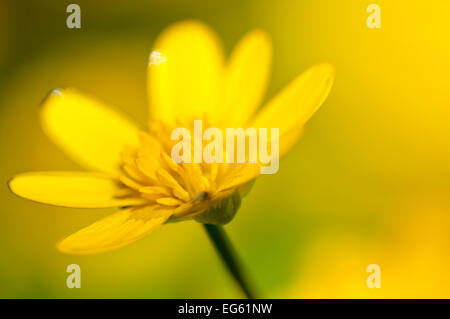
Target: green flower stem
[{"x": 229, "y": 257}]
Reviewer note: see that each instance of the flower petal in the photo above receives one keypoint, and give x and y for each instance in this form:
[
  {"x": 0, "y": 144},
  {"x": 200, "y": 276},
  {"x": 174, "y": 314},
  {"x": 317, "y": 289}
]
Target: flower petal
[
  {"x": 71, "y": 189},
  {"x": 293, "y": 106},
  {"x": 289, "y": 139},
  {"x": 246, "y": 78},
  {"x": 238, "y": 175},
  {"x": 185, "y": 85},
  {"x": 114, "y": 231},
  {"x": 91, "y": 133}
]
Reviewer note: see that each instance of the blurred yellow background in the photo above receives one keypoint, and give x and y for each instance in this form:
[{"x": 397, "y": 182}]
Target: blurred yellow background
[{"x": 369, "y": 183}]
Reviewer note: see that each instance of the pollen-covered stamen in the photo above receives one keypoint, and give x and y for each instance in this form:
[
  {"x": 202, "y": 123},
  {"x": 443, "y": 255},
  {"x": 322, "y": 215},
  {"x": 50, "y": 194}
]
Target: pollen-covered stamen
[
  {"x": 131, "y": 183},
  {"x": 151, "y": 173},
  {"x": 181, "y": 194},
  {"x": 195, "y": 175},
  {"x": 155, "y": 190},
  {"x": 169, "y": 181},
  {"x": 169, "y": 201}
]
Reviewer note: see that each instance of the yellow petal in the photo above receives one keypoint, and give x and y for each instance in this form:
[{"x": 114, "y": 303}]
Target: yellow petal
[
  {"x": 238, "y": 175},
  {"x": 91, "y": 133},
  {"x": 185, "y": 85},
  {"x": 114, "y": 231},
  {"x": 71, "y": 189},
  {"x": 246, "y": 78},
  {"x": 288, "y": 140},
  {"x": 293, "y": 106}
]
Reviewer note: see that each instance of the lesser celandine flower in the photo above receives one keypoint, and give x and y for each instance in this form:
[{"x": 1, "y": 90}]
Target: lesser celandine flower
[{"x": 131, "y": 167}]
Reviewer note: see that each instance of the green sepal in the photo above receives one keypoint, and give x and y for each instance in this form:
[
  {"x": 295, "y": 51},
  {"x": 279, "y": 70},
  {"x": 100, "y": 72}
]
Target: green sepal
[{"x": 223, "y": 213}]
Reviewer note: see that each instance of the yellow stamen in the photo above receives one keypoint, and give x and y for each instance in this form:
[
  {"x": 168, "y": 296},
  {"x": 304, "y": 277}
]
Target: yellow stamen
[{"x": 169, "y": 201}]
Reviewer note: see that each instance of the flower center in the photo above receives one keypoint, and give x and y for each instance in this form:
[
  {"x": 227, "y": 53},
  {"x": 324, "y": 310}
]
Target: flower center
[{"x": 151, "y": 174}]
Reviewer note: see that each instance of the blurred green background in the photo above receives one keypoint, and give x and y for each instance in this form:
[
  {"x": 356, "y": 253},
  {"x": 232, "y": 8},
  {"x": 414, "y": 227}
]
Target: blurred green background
[{"x": 369, "y": 183}]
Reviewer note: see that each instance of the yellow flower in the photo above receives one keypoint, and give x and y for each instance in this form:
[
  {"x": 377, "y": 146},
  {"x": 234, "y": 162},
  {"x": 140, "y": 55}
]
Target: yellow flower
[{"x": 133, "y": 169}]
